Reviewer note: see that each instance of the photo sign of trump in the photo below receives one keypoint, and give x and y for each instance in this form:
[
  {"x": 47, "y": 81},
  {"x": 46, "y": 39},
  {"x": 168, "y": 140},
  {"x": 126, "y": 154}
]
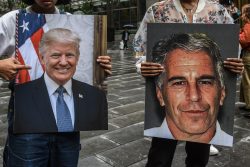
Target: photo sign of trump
[
  {"x": 61, "y": 50},
  {"x": 193, "y": 99}
]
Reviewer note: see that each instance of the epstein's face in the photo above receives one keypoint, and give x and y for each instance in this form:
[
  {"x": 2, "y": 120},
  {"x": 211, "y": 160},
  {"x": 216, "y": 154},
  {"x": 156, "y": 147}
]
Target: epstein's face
[
  {"x": 191, "y": 93},
  {"x": 60, "y": 60}
]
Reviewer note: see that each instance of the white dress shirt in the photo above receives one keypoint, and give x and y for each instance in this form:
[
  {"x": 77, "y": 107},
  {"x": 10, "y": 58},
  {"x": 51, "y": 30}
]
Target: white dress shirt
[
  {"x": 68, "y": 96},
  {"x": 220, "y": 137}
]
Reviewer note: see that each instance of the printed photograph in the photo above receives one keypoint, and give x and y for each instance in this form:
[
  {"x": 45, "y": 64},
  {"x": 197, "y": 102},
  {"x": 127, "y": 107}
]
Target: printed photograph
[
  {"x": 62, "y": 90},
  {"x": 194, "y": 94}
]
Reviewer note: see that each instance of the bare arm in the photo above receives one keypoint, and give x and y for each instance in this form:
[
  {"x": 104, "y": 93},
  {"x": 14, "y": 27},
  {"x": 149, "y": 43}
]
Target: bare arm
[
  {"x": 9, "y": 68},
  {"x": 105, "y": 62},
  {"x": 234, "y": 65}
]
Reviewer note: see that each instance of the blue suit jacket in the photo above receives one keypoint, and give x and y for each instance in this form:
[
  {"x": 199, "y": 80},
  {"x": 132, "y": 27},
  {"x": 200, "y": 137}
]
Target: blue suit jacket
[{"x": 33, "y": 112}]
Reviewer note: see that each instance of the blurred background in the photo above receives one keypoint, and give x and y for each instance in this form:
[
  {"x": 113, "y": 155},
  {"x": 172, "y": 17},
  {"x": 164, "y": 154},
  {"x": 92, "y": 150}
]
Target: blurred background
[{"x": 121, "y": 13}]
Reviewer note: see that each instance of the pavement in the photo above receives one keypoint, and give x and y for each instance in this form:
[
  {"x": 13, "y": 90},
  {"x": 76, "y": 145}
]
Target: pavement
[{"x": 123, "y": 144}]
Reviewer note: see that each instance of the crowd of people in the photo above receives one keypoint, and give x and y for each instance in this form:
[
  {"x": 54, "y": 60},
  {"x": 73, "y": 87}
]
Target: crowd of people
[{"x": 28, "y": 150}]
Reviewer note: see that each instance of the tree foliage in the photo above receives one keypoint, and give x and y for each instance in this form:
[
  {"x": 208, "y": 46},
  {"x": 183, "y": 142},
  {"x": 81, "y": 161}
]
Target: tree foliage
[
  {"x": 86, "y": 6},
  {"x": 9, "y": 5}
]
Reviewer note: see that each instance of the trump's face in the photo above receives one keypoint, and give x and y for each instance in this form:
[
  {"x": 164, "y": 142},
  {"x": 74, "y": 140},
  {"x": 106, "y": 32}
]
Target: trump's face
[
  {"x": 191, "y": 93},
  {"x": 60, "y": 61}
]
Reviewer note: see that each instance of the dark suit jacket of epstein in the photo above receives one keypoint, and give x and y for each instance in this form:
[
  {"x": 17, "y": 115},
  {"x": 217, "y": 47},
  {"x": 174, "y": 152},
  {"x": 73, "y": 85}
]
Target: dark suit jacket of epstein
[{"x": 33, "y": 110}]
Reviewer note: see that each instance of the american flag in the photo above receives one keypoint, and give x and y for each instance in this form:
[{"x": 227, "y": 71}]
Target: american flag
[{"x": 29, "y": 30}]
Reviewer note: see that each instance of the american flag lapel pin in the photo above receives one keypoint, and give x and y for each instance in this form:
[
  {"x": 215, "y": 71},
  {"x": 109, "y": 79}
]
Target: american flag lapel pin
[{"x": 80, "y": 95}]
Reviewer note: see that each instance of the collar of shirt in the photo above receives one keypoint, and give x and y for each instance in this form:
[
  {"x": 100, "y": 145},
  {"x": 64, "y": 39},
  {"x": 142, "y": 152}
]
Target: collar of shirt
[
  {"x": 220, "y": 137},
  {"x": 52, "y": 85},
  {"x": 29, "y": 10},
  {"x": 166, "y": 130},
  {"x": 201, "y": 5}
]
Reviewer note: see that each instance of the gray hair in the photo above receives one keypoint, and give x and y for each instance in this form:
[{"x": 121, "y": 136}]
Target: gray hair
[
  {"x": 60, "y": 35},
  {"x": 191, "y": 43}
]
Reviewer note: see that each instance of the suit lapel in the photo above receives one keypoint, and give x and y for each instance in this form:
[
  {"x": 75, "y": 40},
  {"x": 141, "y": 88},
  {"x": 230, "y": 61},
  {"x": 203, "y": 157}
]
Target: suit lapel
[
  {"x": 42, "y": 101},
  {"x": 79, "y": 102}
]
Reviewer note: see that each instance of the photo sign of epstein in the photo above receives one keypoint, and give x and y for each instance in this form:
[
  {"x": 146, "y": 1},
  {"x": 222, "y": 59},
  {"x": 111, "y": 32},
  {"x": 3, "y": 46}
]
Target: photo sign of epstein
[
  {"x": 194, "y": 98},
  {"x": 59, "y": 93}
]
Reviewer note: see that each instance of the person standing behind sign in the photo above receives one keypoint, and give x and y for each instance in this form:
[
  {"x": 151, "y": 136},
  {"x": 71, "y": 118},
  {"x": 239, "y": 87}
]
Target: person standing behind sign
[
  {"x": 179, "y": 11},
  {"x": 9, "y": 66},
  {"x": 245, "y": 44}
]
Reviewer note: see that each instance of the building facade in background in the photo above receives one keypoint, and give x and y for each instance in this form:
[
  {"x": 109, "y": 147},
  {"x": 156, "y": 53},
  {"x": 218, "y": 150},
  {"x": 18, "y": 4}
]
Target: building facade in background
[{"x": 119, "y": 12}]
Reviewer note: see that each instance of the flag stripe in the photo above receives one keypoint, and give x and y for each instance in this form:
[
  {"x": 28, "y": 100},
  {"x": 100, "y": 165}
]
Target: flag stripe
[
  {"x": 23, "y": 75},
  {"x": 30, "y": 58},
  {"x": 35, "y": 39}
]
